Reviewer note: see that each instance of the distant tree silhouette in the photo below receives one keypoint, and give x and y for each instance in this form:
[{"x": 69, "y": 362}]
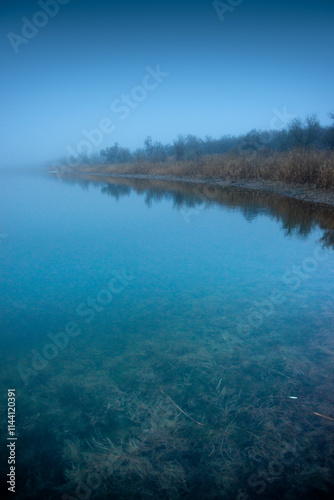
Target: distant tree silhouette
[
  {"x": 116, "y": 154},
  {"x": 155, "y": 151},
  {"x": 304, "y": 134},
  {"x": 179, "y": 148}
]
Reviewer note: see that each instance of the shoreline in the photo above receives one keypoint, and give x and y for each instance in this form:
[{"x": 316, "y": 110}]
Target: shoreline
[{"x": 303, "y": 192}]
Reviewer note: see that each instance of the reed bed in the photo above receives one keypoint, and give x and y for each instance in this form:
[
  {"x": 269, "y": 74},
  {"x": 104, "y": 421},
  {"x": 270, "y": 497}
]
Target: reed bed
[{"x": 297, "y": 166}]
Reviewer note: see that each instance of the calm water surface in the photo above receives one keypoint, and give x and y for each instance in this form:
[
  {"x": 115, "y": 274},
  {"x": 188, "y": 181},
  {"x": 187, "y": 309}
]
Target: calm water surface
[{"x": 166, "y": 341}]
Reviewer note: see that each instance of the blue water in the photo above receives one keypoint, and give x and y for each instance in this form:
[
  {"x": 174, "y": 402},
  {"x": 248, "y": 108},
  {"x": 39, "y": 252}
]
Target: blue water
[{"x": 162, "y": 333}]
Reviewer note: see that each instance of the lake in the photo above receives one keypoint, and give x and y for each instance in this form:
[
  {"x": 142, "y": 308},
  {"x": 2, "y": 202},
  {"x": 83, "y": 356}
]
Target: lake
[{"x": 166, "y": 340}]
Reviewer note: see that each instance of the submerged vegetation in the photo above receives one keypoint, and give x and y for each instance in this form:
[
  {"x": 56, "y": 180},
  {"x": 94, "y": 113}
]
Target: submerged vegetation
[
  {"x": 171, "y": 401},
  {"x": 303, "y": 153},
  {"x": 177, "y": 414}
]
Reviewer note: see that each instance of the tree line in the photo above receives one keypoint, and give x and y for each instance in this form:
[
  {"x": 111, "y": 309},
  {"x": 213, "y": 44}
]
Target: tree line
[{"x": 304, "y": 134}]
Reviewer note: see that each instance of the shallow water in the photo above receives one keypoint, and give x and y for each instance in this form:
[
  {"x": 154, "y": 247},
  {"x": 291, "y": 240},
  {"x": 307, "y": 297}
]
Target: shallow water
[{"x": 156, "y": 334}]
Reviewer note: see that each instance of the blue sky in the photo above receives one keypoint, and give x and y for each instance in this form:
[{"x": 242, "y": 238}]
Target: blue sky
[{"x": 224, "y": 76}]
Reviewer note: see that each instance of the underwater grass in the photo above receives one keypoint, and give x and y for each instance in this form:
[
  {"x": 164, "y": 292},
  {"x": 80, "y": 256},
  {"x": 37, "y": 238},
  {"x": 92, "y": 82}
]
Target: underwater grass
[
  {"x": 115, "y": 432},
  {"x": 105, "y": 424}
]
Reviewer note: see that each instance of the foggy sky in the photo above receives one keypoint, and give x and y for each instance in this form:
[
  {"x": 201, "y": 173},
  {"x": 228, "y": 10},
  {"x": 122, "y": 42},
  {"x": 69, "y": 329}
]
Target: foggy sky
[{"x": 132, "y": 69}]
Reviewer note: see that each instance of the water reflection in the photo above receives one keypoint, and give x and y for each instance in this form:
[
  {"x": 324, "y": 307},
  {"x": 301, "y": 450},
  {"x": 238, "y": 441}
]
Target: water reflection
[
  {"x": 189, "y": 372},
  {"x": 297, "y": 217}
]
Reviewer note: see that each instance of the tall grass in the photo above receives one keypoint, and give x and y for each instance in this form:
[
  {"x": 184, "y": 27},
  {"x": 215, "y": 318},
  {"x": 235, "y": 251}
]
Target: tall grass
[{"x": 297, "y": 166}]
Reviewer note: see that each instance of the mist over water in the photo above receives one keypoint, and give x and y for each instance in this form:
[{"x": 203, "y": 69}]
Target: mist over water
[{"x": 83, "y": 68}]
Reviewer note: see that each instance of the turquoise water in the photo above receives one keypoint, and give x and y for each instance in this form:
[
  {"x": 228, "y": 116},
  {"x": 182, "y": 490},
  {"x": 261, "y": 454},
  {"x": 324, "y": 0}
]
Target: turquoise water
[{"x": 156, "y": 335}]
